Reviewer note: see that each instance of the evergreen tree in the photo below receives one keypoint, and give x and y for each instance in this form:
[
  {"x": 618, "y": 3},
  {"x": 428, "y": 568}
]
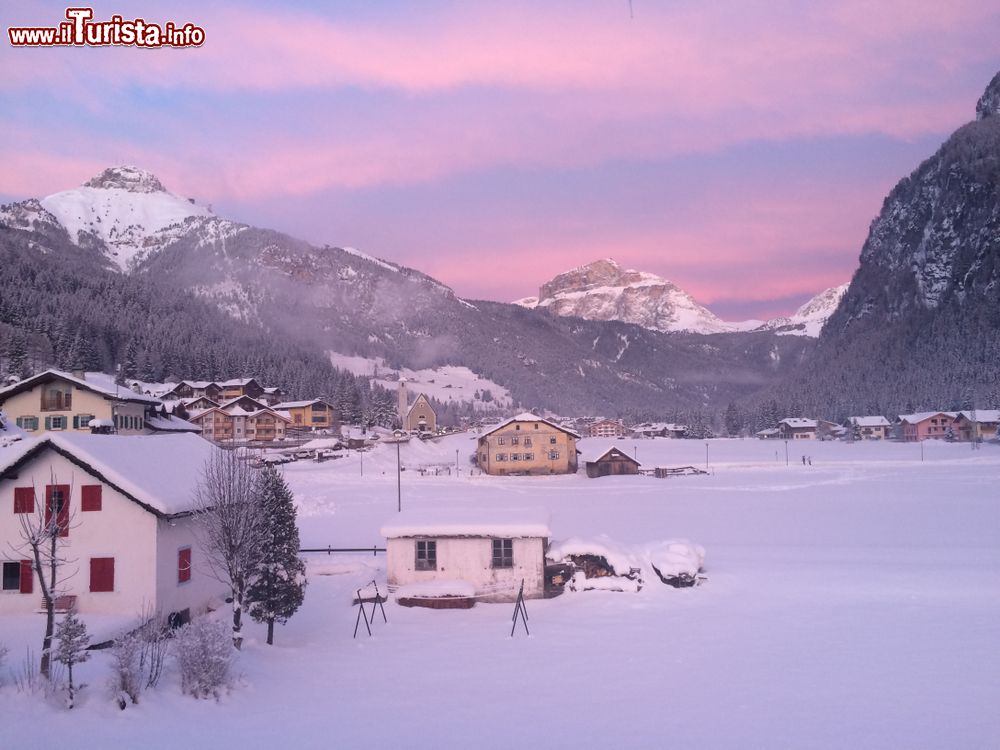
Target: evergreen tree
[
  {"x": 279, "y": 588},
  {"x": 73, "y": 642}
]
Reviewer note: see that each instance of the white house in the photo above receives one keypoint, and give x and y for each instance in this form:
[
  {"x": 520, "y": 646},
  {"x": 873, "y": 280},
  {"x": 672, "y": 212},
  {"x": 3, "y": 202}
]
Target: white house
[
  {"x": 493, "y": 550},
  {"x": 126, "y": 502},
  {"x": 871, "y": 427}
]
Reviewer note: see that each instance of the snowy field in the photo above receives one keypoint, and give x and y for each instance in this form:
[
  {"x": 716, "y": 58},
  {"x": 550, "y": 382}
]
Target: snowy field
[{"x": 853, "y": 603}]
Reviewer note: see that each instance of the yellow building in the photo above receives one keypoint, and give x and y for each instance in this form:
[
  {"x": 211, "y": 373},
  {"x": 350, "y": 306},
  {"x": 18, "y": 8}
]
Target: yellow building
[
  {"x": 314, "y": 415},
  {"x": 55, "y": 401},
  {"x": 528, "y": 444}
]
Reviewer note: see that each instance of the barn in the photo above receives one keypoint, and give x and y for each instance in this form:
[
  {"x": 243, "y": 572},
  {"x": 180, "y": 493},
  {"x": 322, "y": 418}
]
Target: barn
[{"x": 610, "y": 461}]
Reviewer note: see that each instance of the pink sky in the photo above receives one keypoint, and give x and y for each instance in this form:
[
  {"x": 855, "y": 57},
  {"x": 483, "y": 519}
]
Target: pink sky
[{"x": 777, "y": 128}]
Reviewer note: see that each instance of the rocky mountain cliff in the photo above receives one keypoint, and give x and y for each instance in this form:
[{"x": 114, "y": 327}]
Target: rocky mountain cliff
[
  {"x": 603, "y": 290},
  {"x": 919, "y": 325}
]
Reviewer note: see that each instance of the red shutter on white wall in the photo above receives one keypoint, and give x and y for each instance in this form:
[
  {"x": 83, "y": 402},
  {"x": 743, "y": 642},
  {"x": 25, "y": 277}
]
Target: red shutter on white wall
[
  {"x": 184, "y": 565},
  {"x": 90, "y": 497},
  {"x": 102, "y": 574},
  {"x": 24, "y": 499},
  {"x": 27, "y": 579}
]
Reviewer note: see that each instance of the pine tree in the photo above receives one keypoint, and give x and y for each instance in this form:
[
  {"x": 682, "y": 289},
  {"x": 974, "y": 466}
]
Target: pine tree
[
  {"x": 73, "y": 642},
  {"x": 279, "y": 588}
]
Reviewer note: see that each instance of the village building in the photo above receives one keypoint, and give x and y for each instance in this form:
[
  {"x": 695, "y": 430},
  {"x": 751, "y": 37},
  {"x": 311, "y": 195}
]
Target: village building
[
  {"x": 980, "y": 424},
  {"x": 610, "y": 461},
  {"x": 607, "y": 428},
  {"x": 272, "y": 396},
  {"x": 124, "y": 505},
  {"x": 194, "y": 389},
  {"x": 870, "y": 428},
  {"x": 491, "y": 551},
  {"x": 659, "y": 429},
  {"x": 236, "y": 424},
  {"x": 527, "y": 444},
  {"x": 417, "y": 416},
  {"x": 928, "y": 425},
  {"x": 797, "y": 428},
  {"x": 316, "y": 414},
  {"x": 56, "y": 401}
]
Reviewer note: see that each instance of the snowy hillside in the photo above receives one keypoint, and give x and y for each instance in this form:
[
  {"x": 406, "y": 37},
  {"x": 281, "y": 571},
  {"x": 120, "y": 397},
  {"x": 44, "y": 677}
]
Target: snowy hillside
[
  {"x": 125, "y": 208},
  {"x": 603, "y": 290},
  {"x": 446, "y": 383}
]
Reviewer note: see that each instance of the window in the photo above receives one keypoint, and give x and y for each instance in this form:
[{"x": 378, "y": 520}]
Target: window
[
  {"x": 57, "y": 504},
  {"x": 184, "y": 565},
  {"x": 55, "y": 423},
  {"x": 12, "y": 576},
  {"x": 28, "y": 424},
  {"x": 552, "y": 441},
  {"x": 82, "y": 421},
  {"x": 56, "y": 399},
  {"x": 24, "y": 499},
  {"x": 529, "y": 456},
  {"x": 517, "y": 427},
  {"x": 501, "y": 440},
  {"x": 500, "y": 457},
  {"x": 503, "y": 553},
  {"x": 17, "y": 576},
  {"x": 426, "y": 555},
  {"x": 515, "y": 456},
  {"x": 90, "y": 497},
  {"x": 553, "y": 455},
  {"x": 527, "y": 442},
  {"x": 102, "y": 574},
  {"x": 515, "y": 440}
]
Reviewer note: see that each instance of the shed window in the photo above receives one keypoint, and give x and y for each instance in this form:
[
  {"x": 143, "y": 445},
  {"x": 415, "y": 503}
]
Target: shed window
[
  {"x": 503, "y": 553},
  {"x": 102, "y": 574},
  {"x": 426, "y": 555}
]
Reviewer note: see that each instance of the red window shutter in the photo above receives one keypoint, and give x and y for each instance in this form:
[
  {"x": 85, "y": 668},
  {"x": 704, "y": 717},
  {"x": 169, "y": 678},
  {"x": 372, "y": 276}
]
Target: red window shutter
[
  {"x": 91, "y": 497},
  {"x": 24, "y": 499},
  {"x": 62, "y": 517},
  {"x": 184, "y": 565},
  {"x": 102, "y": 574},
  {"x": 27, "y": 579}
]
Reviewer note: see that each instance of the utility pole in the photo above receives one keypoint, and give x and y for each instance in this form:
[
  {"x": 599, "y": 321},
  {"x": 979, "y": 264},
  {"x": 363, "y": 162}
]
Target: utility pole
[
  {"x": 456, "y": 463},
  {"x": 361, "y": 452},
  {"x": 399, "y": 482},
  {"x": 786, "y": 451},
  {"x": 706, "y": 455}
]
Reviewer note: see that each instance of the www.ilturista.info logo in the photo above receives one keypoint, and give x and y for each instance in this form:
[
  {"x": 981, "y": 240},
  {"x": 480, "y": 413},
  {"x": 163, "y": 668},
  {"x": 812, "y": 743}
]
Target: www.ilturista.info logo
[{"x": 79, "y": 30}]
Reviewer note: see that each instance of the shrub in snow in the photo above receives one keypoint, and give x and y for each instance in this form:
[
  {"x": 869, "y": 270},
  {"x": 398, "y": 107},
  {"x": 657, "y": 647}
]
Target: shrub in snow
[
  {"x": 204, "y": 652},
  {"x": 138, "y": 657},
  {"x": 73, "y": 642}
]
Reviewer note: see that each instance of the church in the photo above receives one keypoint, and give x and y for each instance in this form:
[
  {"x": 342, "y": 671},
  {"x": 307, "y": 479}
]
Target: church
[{"x": 418, "y": 416}]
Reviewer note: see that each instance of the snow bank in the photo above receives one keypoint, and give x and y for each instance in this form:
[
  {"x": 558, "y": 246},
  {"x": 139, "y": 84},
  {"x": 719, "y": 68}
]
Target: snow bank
[
  {"x": 675, "y": 558},
  {"x": 580, "y": 582},
  {"x": 436, "y": 589},
  {"x": 619, "y": 557}
]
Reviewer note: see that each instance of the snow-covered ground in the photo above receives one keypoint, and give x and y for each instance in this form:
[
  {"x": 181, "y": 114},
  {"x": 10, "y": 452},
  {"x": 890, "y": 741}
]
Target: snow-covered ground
[{"x": 850, "y": 603}]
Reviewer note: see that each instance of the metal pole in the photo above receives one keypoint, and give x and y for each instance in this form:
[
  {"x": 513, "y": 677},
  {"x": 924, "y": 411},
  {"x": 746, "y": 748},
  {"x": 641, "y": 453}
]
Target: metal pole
[
  {"x": 361, "y": 453},
  {"x": 456, "y": 462},
  {"x": 635, "y": 452},
  {"x": 786, "y": 451},
  {"x": 706, "y": 456},
  {"x": 921, "y": 450},
  {"x": 399, "y": 482}
]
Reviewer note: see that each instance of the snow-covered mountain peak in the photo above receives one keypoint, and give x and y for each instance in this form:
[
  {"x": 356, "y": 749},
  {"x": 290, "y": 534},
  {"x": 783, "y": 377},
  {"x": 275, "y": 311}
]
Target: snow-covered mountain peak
[
  {"x": 603, "y": 290},
  {"x": 125, "y": 208},
  {"x": 127, "y": 177}
]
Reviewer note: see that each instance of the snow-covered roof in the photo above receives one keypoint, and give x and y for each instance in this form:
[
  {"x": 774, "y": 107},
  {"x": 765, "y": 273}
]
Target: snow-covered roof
[
  {"x": 171, "y": 424},
  {"x": 799, "y": 422},
  {"x": 592, "y": 455},
  {"x": 869, "y": 421},
  {"x": 299, "y": 404},
  {"x": 982, "y": 415},
  {"x": 469, "y": 522},
  {"x": 159, "y": 472},
  {"x": 920, "y": 416},
  {"x": 527, "y": 416},
  {"x": 96, "y": 382}
]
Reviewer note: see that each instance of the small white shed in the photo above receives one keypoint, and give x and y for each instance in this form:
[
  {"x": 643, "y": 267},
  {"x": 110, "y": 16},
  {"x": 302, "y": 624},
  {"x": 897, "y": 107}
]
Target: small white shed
[{"x": 493, "y": 550}]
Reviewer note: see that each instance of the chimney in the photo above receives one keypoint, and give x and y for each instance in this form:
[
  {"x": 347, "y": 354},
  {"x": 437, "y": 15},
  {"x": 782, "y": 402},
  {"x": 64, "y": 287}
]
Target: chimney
[{"x": 78, "y": 373}]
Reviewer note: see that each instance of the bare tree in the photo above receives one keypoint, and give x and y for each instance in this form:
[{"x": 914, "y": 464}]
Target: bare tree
[
  {"x": 43, "y": 536},
  {"x": 233, "y": 526}
]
